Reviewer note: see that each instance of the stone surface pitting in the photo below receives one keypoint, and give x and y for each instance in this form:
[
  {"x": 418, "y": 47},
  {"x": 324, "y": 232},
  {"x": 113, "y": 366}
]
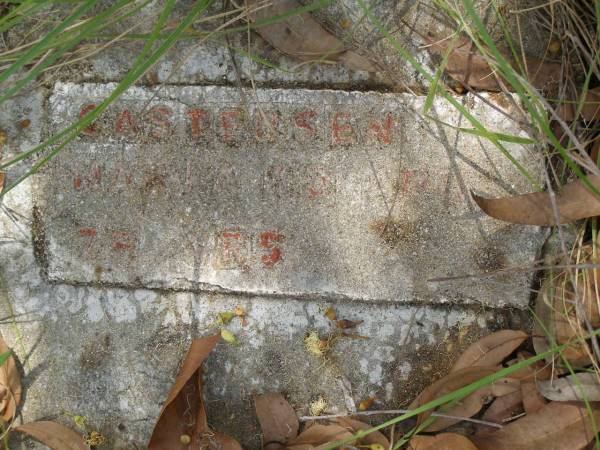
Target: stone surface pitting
[{"x": 289, "y": 192}]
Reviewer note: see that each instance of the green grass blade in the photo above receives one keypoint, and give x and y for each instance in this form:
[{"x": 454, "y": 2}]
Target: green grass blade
[
  {"x": 73, "y": 131},
  {"x": 87, "y": 30},
  {"x": 458, "y": 394},
  {"x": 4, "y": 357},
  {"x": 37, "y": 49},
  {"x": 453, "y": 101}
]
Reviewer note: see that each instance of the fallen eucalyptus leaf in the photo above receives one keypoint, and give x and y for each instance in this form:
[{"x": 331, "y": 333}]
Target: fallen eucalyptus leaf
[
  {"x": 447, "y": 384},
  {"x": 372, "y": 438},
  {"x": 472, "y": 403},
  {"x": 442, "y": 441},
  {"x": 573, "y": 202},
  {"x": 576, "y": 387},
  {"x": 301, "y": 36},
  {"x": 539, "y": 370},
  {"x": 557, "y": 314},
  {"x": 501, "y": 410},
  {"x": 277, "y": 419},
  {"x": 11, "y": 381},
  {"x": 466, "y": 65},
  {"x": 183, "y": 415},
  {"x": 53, "y": 435},
  {"x": 556, "y": 426},
  {"x": 532, "y": 399},
  {"x": 319, "y": 434},
  {"x": 490, "y": 350}
]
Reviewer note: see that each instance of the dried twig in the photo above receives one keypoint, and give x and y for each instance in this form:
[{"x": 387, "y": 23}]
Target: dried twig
[{"x": 396, "y": 411}]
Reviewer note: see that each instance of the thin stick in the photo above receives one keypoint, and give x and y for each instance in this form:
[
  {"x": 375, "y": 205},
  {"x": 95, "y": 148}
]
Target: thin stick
[{"x": 397, "y": 411}]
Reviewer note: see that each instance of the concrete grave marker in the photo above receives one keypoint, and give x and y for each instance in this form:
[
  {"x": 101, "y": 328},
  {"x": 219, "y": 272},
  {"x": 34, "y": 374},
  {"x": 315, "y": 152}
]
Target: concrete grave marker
[{"x": 285, "y": 192}]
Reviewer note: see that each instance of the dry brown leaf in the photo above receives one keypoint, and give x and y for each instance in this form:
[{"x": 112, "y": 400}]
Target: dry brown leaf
[
  {"x": 472, "y": 403},
  {"x": 317, "y": 435},
  {"x": 442, "y": 441},
  {"x": 501, "y": 410},
  {"x": 490, "y": 350},
  {"x": 557, "y": 426},
  {"x": 1, "y": 182},
  {"x": 532, "y": 399},
  {"x": 539, "y": 370},
  {"x": 301, "y": 36},
  {"x": 278, "y": 420},
  {"x": 589, "y": 111},
  {"x": 366, "y": 404},
  {"x": 53, "y": 435},
  {"x": 466, "y": 65},
  {"x": 11, "y": 380},
  {"x": 568, "y": 389},
  {"x": 183, "y": 412},
  {"x": 447, "y": 384},
  {"x": 372, "y": 438},
  {"x": 557, "y": 314},
  {"x": 345, "y": 323},
  {"x": 330, "y": 314},
  {"x": 573, "y": 202}
]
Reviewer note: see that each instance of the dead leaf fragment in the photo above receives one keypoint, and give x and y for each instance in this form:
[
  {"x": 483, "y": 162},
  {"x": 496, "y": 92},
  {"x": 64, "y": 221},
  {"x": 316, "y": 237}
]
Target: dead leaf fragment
[
  {"x": 330, "y": 314},
  {"x": 366, "y": 404},
  {"x": 576, "y": 387},
  {"x": 183, "y": 411},
  {"x": 278, "y": 420},
  {"x": 573, "y": 202},
  {"x": 372, "y": 438},
  {"x": 557, "y": 313},
  {"x": 301, "y": 36},
  {"x": 490, "y": 350},
  {"x": 472, "y": 403},
  {"x": 344, "y": 324},
  {"x": 466, "y": 65},
  {"x": 532, "y": 399},
  {"x": 589, "y": 111},
  {"x": 320, "y": 434},
  {"x": 539, "y": 370},
  {"x": 447, "y": 384},
  {"x": 11, "y": 381},
  {"x": 53, "y": 435},
  {"x": 502, "y": 410},
  {"x": 1, "y": 182},
  {"x": 442, "y": 441},
  {"x": 556, "y": 426}
]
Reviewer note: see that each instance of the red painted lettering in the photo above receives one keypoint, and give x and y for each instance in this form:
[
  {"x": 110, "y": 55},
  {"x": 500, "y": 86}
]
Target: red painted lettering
[
  {"x": 266, "y": 241},
  {"x": 301, "y": 120},
  {"x": 122, "y": 240},
  {"x": 198, "y": 121},
  {"x": 159, "y": 116},
  {"x": 382, "y": 131},
  {"x": 125, "y": 124},
  {"x": 91, "y": 130},
  {"x": 230, "y": 121},
  {"x": 343, "y": 133},
  {"x": 88, "y": 232}
]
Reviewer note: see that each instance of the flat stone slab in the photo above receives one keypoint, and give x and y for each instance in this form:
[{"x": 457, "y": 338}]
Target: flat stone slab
[{"x": 285, "y": 192}]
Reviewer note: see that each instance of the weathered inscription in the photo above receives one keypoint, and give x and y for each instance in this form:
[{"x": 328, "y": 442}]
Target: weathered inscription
[{"x": 276, "y": 192}]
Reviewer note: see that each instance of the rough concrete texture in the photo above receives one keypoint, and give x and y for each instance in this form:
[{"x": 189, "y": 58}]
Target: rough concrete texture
[
  {"x": 110, "y": 353},
  {"x": 282, "y": 192}
]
